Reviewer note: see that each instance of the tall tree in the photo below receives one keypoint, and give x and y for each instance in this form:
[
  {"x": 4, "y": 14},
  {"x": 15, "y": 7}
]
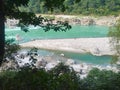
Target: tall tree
[
  {"x": 10, "y": 9},
  {"x": 2, "y": 32}
]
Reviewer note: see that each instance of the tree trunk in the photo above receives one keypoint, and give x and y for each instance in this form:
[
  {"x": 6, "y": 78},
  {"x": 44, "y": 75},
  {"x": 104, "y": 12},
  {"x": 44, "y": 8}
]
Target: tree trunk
[{"x": 2, "y": 31}]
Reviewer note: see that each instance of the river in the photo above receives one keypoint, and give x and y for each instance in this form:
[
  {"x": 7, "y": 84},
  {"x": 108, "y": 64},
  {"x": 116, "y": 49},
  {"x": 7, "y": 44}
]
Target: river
[{"x": 76, "y": 32}]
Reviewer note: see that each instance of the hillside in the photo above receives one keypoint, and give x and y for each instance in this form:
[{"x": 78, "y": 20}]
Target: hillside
[{"x": 84, "y": 7}]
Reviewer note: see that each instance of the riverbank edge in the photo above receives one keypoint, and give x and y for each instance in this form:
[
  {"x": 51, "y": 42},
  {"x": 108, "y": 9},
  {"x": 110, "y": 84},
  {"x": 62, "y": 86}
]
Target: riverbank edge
[{"x": 85, "y": 20}]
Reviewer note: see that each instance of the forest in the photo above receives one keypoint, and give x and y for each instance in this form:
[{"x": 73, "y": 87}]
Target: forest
[{"x": 84, "y": 7}]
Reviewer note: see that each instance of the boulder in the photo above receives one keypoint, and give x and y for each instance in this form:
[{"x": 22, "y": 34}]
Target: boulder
[
  {"x": 50, "y": 65},
  {"x": 70, "y": 62},
  {"x": 87, "y": 21},
  {"x": 41, "y": 63}
]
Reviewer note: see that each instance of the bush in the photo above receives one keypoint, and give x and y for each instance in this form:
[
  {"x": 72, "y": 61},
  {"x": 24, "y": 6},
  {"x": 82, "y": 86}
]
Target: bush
[
  {"x": 38, "y": 79},
  {"x": 59, "y": 78},
  {"x": 101, "y": 80}
]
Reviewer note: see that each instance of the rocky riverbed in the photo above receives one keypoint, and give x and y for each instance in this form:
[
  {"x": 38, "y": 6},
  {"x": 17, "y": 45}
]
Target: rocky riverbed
[
  {"x": 87, "y": 20},
  {"x": 49, "y": 62}
]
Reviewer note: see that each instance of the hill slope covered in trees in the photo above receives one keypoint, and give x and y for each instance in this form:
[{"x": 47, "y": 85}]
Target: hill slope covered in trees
[{"x": 85, "y": 7}]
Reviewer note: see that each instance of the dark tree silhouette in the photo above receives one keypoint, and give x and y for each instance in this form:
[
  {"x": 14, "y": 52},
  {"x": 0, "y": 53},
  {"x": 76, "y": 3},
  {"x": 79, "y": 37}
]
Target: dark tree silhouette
[
  {"x": 2, "y": 32},
  {"x": 10, "y": 9}
]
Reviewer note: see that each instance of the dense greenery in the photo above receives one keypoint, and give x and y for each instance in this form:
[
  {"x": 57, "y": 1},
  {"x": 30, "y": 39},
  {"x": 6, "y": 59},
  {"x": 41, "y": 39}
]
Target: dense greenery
[
  {"x": 85, "y": 7},
  {"x": 59, "y": 78}
]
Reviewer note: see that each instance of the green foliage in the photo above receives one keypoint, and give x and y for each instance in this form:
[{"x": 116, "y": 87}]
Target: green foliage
[
  {"x": 10, "y": 9},
  {"x": 32, "y": 53},
  {"x": 114, "y": 33},
  {"x": 59, "y": 26},
  {"x": 65, "y": 78},
  {"x": 85, "y": 7},
  {"x": 101, "y": 80},
  {"x": 38, "y": 79},
  {"x": 114, "y": 59}
]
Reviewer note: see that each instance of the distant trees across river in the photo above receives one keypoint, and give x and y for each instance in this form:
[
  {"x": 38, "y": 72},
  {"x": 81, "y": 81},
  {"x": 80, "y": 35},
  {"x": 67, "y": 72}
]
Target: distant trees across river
[{"x": 85, "y": 7}]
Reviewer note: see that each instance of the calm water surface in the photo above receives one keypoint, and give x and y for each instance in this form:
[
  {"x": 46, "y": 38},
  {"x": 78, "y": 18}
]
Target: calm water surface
[{"x": 75, "y": 32}]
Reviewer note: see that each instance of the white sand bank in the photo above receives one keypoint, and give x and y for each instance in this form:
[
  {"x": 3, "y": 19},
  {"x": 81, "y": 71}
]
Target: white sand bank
[{"x": 96, "y": 46}]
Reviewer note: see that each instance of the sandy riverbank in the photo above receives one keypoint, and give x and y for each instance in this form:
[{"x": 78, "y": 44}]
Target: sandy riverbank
[{"x": 96, "y": 46}]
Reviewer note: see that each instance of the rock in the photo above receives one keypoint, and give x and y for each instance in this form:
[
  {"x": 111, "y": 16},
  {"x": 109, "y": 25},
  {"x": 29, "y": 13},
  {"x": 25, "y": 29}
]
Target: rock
[
  {"x": 62, "y": 54},
  {"x": 118, "y": 62},
  {"x": 51, "y": 65},
  {"x": 87, "y": 21},
  {"x": 83, "y": 76},
  {"x": 95, "y": 51},
  {"x": 76, "y": 21},
  {"x": 41, "y": 63},
  {"x": 106, "y": 21},
  {"x": 76, "y": 67},
  {"x": 70, "y": 62}
]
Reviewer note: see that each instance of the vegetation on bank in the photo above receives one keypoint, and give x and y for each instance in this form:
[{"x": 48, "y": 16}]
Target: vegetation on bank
[
  {"x": 85, "y": 7},
  {"x": 115, "y": 40},
  {"x": 59, "y": 78}
]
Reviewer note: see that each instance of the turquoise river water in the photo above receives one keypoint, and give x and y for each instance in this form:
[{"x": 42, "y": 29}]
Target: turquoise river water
[{"x": 76, "y": 32}]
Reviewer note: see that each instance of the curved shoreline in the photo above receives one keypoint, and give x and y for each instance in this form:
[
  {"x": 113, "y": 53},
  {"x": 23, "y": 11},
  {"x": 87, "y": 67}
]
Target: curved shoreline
[{"x": 95, "y": 46}]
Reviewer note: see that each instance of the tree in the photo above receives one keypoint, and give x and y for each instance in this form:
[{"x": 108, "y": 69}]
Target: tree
[
  {"x": 2, "y": 32},
  {"x": 101, "y": 80},
  {"x": 114, "y": 33},
  {"x": 27, "y": 78},
  {"x": 10, "y": 9},
  {"x": 102, "y": 7}
]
